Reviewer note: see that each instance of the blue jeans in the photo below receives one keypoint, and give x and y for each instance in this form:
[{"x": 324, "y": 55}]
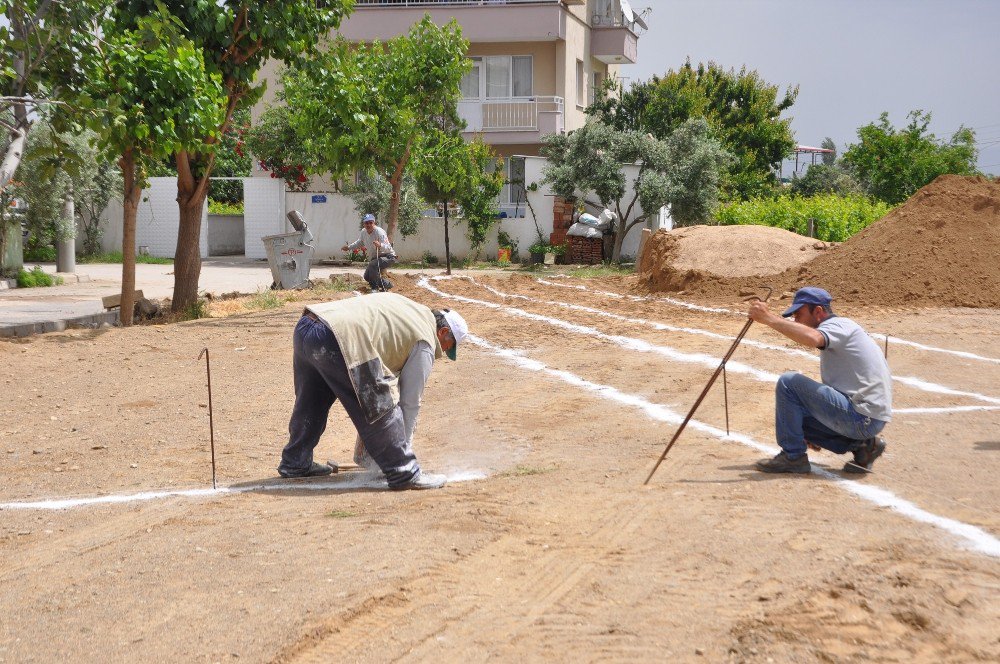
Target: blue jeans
[
  {"x": 809, "y": 411},
  {"x": 376, "y": 268},
  {"x": 321, "y": 377}
]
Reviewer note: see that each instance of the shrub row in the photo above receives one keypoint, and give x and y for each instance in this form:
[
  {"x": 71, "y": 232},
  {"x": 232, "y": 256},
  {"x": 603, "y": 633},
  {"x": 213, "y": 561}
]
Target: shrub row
[{"x": 836, "y": 217}]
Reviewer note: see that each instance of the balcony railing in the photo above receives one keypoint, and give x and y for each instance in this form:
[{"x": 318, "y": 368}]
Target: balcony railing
[{"x": 512, "y": 114}]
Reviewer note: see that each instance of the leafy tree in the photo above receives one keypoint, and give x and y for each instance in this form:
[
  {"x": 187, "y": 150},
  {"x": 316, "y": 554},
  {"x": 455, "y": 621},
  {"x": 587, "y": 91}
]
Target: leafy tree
[
  {"x": 826, "y": 179},
  {"x": 277, "y": 147},
  {"x": 893, "y": 164},
  {"x": 56, "y": 164},
  {"x": 372, "y": 107},
  {"x": 374, "y": 194},
  {"x": 235, "y": 38},
  {"x": 468, "y": 173},
  {"x": 681, "y": 172},
  {"x": 159, "y": 98},
  {"x": 232, "y": 160},
  {"x": 41, "y": 43},
  {"x": 743, "y": 110},
  {"x": 829, "y": 158}
]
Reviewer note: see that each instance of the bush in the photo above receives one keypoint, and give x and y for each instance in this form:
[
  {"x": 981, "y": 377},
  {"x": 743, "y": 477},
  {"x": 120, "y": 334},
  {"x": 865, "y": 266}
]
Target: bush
[
  {"x": 429, "y": 258},
  {"x": 43, "y": 254},
  {"x": 36, "y": 278},
  {"x": 224, "y": 207},
  {"x": 837, "y": 217}
]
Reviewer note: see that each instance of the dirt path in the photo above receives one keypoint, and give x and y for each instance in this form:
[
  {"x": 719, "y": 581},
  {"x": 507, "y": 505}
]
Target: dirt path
[{"x": 558, "y": 554}]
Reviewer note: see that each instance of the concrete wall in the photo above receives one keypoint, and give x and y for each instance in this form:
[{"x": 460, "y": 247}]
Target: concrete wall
[
  {"x": 225, "y": 235},
  {"x": 157, "y": 221}
]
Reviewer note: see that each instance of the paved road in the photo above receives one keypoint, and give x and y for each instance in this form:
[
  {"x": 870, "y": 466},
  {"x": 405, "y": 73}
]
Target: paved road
[{"x": 218, "y": 275}]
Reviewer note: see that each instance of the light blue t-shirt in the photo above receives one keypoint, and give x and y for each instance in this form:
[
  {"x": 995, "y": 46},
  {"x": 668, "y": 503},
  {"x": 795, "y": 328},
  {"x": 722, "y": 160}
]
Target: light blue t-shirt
[{"x": 852, "y": 364}]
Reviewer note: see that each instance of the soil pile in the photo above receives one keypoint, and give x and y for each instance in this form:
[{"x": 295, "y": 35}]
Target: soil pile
[
  {"x": 677, "y": 259},
  {"x": 940, "y": 248}
]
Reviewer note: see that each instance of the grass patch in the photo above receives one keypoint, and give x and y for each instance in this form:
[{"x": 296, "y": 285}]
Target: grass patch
[
  {"x": 524, "y": 471},
  {"x": 36, "y": 278},
  {"x": 265, "y": 299},
  {"x": 116, "y": 257},
  {"x": 337, "y": 283},
  {"x": 341, "y": 514}
]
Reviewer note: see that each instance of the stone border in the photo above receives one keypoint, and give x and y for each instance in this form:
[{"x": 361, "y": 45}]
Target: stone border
[{"x": 91, "y": 321}]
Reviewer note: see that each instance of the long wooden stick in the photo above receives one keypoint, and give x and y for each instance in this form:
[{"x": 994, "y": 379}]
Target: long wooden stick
[{"x": 704, "y": 392}]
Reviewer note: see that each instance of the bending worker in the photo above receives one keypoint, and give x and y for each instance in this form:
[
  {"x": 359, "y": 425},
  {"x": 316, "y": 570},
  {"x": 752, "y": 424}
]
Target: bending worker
[
  {"x": 377, "y": 247},
  {"x": 356, "y": 350},
  {"x": 844, "y": 413}
]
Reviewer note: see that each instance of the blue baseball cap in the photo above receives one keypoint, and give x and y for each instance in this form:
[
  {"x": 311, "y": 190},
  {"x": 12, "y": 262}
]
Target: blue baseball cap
[
  {"x": 368, "y": 217},
  {"x": 808, "y": 295}
]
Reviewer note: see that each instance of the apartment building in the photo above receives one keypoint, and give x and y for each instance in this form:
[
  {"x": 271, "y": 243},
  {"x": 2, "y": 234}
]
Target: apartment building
[{"x": 536, "y": 64}]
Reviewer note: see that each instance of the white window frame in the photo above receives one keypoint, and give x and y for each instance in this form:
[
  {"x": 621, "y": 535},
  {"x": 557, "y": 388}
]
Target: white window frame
[
  {"x": 581, "y": 83},
  {"x": 484, "y": 84}
]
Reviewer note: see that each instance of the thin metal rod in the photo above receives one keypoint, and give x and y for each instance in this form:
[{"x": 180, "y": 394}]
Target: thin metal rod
[
  {"x": 886, "y": 347},
  {"x": 725, "y": 395},
  {"x": 211, "y": 421},
  {"x": 701, "y": 397}
]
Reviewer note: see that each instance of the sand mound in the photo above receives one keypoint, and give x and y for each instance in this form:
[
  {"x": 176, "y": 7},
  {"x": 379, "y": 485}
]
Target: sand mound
[
  {"x": 698, "y": 253},
  {"x": 940, "y": 248}
]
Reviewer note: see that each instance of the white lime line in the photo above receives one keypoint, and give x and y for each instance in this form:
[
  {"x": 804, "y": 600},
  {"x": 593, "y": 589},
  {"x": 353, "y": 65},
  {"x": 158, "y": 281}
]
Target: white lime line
[
  {"x": 976, "y": 538},
  {"x": 933, "y": 349},
  {"x": 630, "y": 343},
  {"x": 916, "y": 383},
  {"x": 347, "y": 481},
  {"x": 942, "y": 409},
  {"x": 688, "y": 305}
]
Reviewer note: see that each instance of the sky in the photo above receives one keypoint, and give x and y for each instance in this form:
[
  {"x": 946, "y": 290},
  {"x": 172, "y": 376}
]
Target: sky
[{"x": 852, "y": 59}]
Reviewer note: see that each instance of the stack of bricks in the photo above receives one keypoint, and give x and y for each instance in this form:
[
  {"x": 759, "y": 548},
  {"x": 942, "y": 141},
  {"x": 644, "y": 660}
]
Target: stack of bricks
[
  {"x": 584, "y": 250},
  {"x": 562, "y": 219}
]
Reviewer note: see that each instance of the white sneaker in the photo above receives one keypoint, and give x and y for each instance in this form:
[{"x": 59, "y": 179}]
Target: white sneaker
[{"x": 423, "y": 481}]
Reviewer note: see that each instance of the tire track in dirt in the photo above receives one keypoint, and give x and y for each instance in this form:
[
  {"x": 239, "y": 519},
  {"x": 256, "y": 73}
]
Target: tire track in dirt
[{"x": 423, "y": 624}]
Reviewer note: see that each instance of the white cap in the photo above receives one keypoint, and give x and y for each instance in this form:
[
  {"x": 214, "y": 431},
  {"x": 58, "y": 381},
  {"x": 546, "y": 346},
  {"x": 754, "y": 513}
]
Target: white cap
[{"x": 459, "y": 328}]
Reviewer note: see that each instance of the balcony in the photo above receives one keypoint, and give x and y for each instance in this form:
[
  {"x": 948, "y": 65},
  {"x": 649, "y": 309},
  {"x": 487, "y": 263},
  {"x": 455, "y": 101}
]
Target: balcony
[
  {"x": 513, "y": 120},
  {"x": 481, "y": 20}
]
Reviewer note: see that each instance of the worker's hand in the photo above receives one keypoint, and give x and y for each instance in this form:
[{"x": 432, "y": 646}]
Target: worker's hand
[
  {"x": 376, "y": 244},
  {"x": 760, "y": 312},
  {"x": 814, "y": 448},
  {"x": 344, "y": 248}
]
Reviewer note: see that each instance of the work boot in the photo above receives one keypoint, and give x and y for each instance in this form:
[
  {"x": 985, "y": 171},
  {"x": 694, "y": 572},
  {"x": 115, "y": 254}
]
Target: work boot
[
  {"x": 423, "y": 480},
  {"x": 315, "y": 470},
  {"x": 782, "y": 464},
  {"x": 865, "y": 455}
]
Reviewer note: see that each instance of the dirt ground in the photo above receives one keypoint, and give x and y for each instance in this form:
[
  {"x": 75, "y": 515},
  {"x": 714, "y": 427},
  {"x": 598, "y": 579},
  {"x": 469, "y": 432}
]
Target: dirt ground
[{"x": 557, "y": 552}]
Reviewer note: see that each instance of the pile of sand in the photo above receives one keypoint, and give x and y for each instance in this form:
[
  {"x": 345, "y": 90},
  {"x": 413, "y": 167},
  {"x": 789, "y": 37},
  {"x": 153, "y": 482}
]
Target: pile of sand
[
  {"x": 674, "y": 260},
  {"x": 940, "y": 248}
]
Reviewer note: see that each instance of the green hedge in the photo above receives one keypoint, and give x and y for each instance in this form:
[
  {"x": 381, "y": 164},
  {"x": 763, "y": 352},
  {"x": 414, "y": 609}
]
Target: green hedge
[{"x": 837, "y": 217}]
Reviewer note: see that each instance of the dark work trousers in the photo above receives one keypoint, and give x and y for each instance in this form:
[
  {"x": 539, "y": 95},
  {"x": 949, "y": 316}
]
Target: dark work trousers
[
  {"x": 320, "y": 379},
  {"x": 374, "y": 269}
]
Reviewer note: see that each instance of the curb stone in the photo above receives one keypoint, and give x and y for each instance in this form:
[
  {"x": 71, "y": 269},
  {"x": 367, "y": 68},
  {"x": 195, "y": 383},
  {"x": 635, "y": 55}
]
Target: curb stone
[{"x": 91, "y": 321}]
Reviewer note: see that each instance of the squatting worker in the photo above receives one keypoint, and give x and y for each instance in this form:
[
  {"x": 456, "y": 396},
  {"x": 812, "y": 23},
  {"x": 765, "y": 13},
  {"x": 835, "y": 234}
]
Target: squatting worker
[
  {"x": 357, "y": 350},
  {"x": 844, "y": 413},
  {"x": 377, "y": 247}
]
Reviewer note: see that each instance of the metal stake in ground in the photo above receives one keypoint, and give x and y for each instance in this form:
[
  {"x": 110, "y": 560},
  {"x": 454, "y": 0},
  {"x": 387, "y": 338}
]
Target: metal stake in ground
[
  {"x": 211, "y": 423},
  {"x": 704, "y": 392}
]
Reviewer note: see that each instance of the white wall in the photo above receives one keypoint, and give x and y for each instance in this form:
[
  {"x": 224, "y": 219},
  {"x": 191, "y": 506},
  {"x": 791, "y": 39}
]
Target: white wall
[
  {"x": 157, "y": 221},
  {"x": 225, "y": 235}
]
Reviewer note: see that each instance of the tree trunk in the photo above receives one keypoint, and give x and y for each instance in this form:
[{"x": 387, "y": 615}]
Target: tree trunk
[
  {"x": 132, "y": 193},
  {"x": 12, "y": 157},
  {"x": 187, "y": 257},
  {"x": 397, "y": 186},
  {"x": 616, "y": 253}
]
